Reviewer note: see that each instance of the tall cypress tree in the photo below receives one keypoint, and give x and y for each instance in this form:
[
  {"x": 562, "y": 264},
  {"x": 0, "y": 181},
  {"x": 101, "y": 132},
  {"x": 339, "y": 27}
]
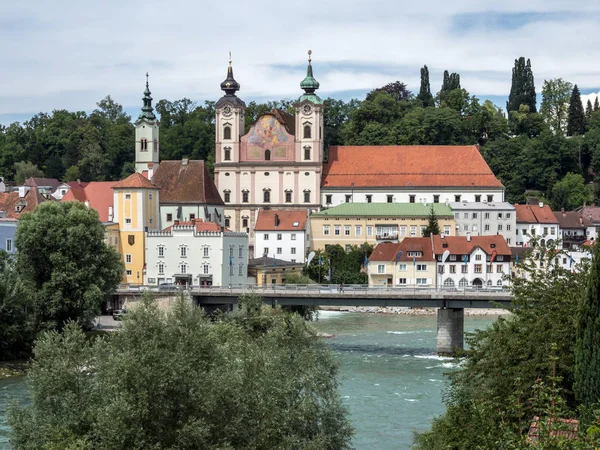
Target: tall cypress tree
[
  {"x": 425, "y": 90},
  {"x": 589, "y": 109},
  {"x": 587, "y": 345},
  {"x": 576, "y": 117},
  {"x": 522, "y": 90},
  {"x": 596, "y": 104},
  {"x": 451, "y": 82}
]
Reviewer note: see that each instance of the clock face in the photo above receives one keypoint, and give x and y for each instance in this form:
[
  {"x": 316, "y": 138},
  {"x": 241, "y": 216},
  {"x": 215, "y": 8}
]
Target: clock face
[
  {"x": 306, "y": 109},
  {"x": 227, "y": 110}
]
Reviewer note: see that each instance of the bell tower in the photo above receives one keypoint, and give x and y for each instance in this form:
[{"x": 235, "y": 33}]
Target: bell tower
[
  {"x": 146, "y": 136},
  {"x": 309, "y": 120}
]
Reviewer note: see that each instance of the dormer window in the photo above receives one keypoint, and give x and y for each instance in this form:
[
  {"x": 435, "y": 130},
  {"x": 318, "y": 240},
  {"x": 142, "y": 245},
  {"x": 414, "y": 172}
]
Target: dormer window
[
  {"x": 307, "y": 132},
  {"x": 227, "y": 132}
]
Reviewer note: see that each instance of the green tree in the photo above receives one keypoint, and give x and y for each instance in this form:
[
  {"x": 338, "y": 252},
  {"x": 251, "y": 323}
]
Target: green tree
[
  {"x": 431, "y": 126},
  {"x": 589, "y": 109},
  {"x": 522, "y": 90},
  {"x": 433, "y": 227},
  {"x": 576, "y": 118},
  {"x": 425, "y": 90},
  {"x": 555, "y": 103},
  {"x": 397, "y": 90},
  {"x": 16, "y": 324},
  {"x": 596, "y": 104},
  {"x": 71, "y": 174},
  {"x": 587, "y": 348},
  {"x": 63, "y": 260},
  {"x": 570, "y": 192},
  {"x": 451, "y": 82},
  {"x": 255, "y": 379},
  {"x": 24, "y": 170}
]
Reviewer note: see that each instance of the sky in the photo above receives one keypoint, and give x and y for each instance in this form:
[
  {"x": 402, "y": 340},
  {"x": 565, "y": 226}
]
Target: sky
[{"x": 70, "y": 54}]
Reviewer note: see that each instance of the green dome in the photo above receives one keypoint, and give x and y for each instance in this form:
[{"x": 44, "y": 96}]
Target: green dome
[{"x": 309, "y": 84}]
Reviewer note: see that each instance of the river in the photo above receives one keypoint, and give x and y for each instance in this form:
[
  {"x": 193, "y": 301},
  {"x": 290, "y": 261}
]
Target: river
[{"x": 391, "y": 379}]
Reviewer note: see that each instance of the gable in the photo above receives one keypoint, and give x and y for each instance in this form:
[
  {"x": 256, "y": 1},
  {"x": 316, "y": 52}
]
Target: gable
[{"x": 267, "y": 134}]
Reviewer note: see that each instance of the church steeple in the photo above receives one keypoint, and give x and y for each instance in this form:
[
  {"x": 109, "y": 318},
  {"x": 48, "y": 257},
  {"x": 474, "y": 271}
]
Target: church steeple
[
  {"x": 230, "y": 86},
  {"x": 309, "y": 84},
  {"x": 147, "y": 110}
]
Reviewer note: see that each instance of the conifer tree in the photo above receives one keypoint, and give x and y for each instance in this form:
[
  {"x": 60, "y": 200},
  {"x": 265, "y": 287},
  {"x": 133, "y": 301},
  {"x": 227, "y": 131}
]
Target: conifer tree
[
  {"x": 596, "y": 104},
  {"x": 587, "y": 345},
  {"x": 576, "y": 118},
  {"x": 522, "y": 91},
  {"x": 589, "y": 109},
  {"x": 433, "y": 227},
  {"x": 425, "y": 90}
]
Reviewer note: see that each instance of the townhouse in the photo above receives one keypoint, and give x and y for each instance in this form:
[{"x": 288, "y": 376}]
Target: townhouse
[{"x": 282, "y": 234}]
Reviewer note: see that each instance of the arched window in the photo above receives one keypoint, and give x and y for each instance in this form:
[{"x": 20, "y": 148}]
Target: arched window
[
  {"x": 144, "y": 144},
  {"x": 267, "y": 155},
  {"x": 227, "y": 221},
  {"x": 463, "y": 282},
  {"x": 307, "y": 153},
  {"x": 306, "y": 131},
  {"x": 306, "y": 196},
  {"x": 226, "y": 196},
  {"x": 489, "y": 282},
  {"x": 267, "y": 196},
  {"x": 227, "y": 154},
  {"x": 245, "y": 195},
  {"x": 499, "y": 283},
  {"x": 449, "y": 282},
  {"x": 245, "y": 222},
  {"x": 227, "y": 132}
]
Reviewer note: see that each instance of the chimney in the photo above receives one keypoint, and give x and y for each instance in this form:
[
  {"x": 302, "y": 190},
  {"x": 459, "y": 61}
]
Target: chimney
[
  {"x": 150, "y": 170},
  {"x": 184, "y": 162},
  {"x": 442, "y": 236},
  {"x": 541, "y": 204},
  {"x": 110, "y": 213},
  {"x": 193, "y": 221},
  {"x": 562, "y": 210},
  {"x": 176, "y": 223},
  {"x": 469, "y": 237}
]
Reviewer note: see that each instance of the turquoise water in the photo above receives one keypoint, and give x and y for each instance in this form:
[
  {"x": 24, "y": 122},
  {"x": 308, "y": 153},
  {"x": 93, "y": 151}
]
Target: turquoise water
[{"x": 391, "y": 379}]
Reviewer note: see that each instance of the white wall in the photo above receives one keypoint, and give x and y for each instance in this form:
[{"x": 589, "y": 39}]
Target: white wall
[
  {"x": 188, "y": 209},
  {"x": 495, "y": 277},
  {"x": 286, "y": 243},
  {"x": 542, "y": 231}
]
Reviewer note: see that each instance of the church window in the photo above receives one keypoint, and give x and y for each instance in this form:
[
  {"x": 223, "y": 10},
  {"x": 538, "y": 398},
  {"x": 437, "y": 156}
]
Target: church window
[
  {"x": 306, "y": 131},
  {"x": 267, "y": 155},
  {"x": 227, "y": 196},
  {"x": 288, "y": 196},
  {"x": 307, "y": 153},
  {"x": 227, "y": 132},
  {"x": 144, "y": 144},
  {"x": 227, "y": 154},
  {"x": 306, "y": 196},
  {"x": 245, "y": 222},
  {"x": 244, "y": 196},
  {"x": 227, "y": 222},
  {"x": 267, "y": 196}
]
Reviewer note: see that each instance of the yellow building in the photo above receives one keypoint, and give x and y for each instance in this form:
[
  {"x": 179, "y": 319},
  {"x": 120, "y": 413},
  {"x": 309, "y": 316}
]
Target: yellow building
[
  {"x": 356, "y": 223},
  {"x": 408, "y": 263},
  {"x": 136, "y": 211},
  {"x": 269, "y": 271}
]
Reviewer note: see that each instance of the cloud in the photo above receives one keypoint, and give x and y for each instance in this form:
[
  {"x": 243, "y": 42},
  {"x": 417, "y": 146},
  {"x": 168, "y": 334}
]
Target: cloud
[{"x": 70, "y": 56}]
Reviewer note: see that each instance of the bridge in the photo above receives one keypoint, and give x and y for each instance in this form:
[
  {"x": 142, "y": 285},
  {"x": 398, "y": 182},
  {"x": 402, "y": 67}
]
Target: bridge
[{"x": 451, "y": 302}]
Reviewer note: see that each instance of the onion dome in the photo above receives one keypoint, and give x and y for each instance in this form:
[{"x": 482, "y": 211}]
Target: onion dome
[
  {"x": 230, "y": 86},
  {"x": 310, "y": 85},
  {"x": 147, "y": 110}
]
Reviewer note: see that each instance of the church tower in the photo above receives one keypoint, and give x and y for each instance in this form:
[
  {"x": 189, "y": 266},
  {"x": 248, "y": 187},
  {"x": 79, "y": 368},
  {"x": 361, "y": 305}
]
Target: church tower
[
  {"x": 230, "y": 120},
  {"x": 146, "y": 137}
]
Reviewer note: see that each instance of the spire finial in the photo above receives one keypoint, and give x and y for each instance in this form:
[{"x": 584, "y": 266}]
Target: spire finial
[
  {"x": 229, "y": 59},
  {"x": 147, "y": 110},
  {"x": 309, "y": 53},
  {"x": 147, "y": 79}
]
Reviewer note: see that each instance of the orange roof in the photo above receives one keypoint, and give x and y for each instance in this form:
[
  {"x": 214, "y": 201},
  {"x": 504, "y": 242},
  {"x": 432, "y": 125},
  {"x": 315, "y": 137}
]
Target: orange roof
[
  {"x": 407, "y": 165},
  {"x": 135, "y": 181},
  {"x": 98, "y": 194},
  {"x": 459, "y": 245},
  {"x": 535, "y": 214},
  {"x": 10, "y": 200},
  {"x": 200, "y": 225},
  {"x": 186, "y": 182},
  {"x": 387, "y": 251},
  {"x": 286, "y": 220}
]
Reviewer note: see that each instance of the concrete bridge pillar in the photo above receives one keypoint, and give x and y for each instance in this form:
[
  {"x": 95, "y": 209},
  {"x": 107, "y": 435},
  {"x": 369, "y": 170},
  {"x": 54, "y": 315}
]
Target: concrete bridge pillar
[{"x": 450, "y": 331}]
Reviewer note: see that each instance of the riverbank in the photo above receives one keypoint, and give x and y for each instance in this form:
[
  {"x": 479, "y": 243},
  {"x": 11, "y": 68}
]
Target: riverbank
[
  {"x": 13, "y": 368},
  {"x": 398, "y": 310}
]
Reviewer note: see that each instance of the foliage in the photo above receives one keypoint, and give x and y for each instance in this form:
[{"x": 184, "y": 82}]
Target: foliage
[
  {"x": 397, "y": 90},
  {"x": 425, "y": 90},
  {"x": 24, "y": 170},
  {"x": 433, "y": 227},
  {"x": 63, "y": 260},
  {"x": 255, "y": 379},
  {"x": 570, "y": 193},
  {"x": 16, "y": 325},
  {"x": 556, "y": 94},
  {"x": 576, "y": 118},
  {"x": 587, "y": 349},
  {"x": 492, "y": 386},
  {"x": 522, "y": 90}
]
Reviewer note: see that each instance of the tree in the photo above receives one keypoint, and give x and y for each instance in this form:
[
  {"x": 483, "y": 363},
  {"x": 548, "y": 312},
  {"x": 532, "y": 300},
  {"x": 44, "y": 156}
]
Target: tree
[
  {"x": 596, "y": 104},
  {"x": 24, "y": 170},
  {"x": 522, "y": 90},
  {"x": 254, "y": 379},
  {"x": 587, "y": 347},
  {"x": 425, "y": 90},
  {"x": 555, "y": 103},
  {"x": 433, "y": 227},
  {"x": 589, "y": 109},
  {"x": 63, "y": 260},
  {"x": 576, "y": 119},
  {"x": 450, "y": 83},
  {"x": 397, "y": 90},
  {"x": 570, "y": 192}
]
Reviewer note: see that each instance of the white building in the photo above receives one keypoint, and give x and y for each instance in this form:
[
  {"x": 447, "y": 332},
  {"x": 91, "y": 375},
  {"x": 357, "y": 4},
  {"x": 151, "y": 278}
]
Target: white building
[
  {"x": 475, "y": 261},
  {"x": 575, "y": 229},
  {"x": 408, "y": 174},
  {"x": 485, "y": 219},
  {"x": 196, "y": 253},
  {"x": 282, "y": 235},
  {"x": 536, "y": 219}
]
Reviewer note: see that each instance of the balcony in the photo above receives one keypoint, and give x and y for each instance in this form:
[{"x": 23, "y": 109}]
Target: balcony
[{"x": 386, "y": 236}]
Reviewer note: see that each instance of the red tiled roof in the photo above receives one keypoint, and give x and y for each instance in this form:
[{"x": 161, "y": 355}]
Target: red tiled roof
[
  {"x": 98, "y": 194},
  {"x": 135, "y": 181},
  {"x": 200, "y": 225},
  {"x": 459, "y": 245},
  {"x": 535, "y": 214},
  {"x": 591, "y": 212},
  {"x": 186, "y": 183},
  {"x": 571, "y": 219},
  {"x": 9, "y": 201},
  {"x": 407, "y": 165},
  {"x": 286, "y": 220},
  {"x": 387, "y": 251}
]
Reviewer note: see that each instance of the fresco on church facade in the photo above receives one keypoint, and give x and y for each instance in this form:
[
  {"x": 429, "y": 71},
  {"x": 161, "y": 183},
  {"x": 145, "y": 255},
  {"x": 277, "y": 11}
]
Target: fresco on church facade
[{"x": 267, "y": 134}]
